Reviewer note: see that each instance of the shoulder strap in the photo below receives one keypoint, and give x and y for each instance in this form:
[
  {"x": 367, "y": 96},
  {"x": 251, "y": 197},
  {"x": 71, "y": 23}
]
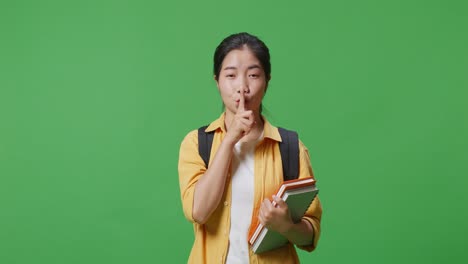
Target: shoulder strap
[
  {"x": 289, "y": 148},
  {"x": 205, "y": 140}
]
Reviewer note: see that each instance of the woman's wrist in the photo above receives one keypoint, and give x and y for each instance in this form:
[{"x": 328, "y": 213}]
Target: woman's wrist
[
  {"x": 300, "y": 233},
  {"x": 286, "y": 229},
  {"x": 230, "y": 141}
]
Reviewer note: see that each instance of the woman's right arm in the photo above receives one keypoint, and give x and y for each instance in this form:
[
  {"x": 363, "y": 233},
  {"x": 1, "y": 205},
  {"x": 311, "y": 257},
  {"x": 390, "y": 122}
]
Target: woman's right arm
[
  {"x": 203, "y": 188},
  {"x": 210, "y": 187}
]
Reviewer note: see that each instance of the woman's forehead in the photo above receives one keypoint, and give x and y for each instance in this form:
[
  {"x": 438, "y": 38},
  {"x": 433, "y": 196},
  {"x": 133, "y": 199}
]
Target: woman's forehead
[{"x": 241, "y": 58}]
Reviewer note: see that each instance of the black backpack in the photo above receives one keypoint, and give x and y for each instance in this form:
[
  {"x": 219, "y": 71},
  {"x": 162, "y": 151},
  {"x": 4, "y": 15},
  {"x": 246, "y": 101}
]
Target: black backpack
[{"x": 289, "y": 149}]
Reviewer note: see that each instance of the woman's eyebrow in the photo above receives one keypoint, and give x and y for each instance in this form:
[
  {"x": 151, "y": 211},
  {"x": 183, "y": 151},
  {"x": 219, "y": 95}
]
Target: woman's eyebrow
[
  {"x": 254, "y": 67},
  {"x": 230, "y": 68}
]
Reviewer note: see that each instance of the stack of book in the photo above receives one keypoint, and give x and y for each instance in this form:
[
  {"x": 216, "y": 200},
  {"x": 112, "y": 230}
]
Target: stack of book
[{"x": 298, "y": 195}]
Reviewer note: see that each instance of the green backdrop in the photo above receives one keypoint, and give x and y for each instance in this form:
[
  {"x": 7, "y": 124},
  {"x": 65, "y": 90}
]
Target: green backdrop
[{"x": 96, "y": 96}]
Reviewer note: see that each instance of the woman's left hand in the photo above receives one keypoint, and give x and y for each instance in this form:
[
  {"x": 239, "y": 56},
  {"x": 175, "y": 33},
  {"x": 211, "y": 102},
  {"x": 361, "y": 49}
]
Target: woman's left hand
[{"x": 275, "y": 217}]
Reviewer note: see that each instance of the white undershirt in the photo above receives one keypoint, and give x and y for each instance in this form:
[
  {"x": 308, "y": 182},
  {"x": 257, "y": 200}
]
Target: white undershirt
[{"x": 242, "y": 171}]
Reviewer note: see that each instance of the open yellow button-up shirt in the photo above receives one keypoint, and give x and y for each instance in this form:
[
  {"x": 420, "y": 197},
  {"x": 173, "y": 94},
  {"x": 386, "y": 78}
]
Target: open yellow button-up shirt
[{"x": 212, "y": 238}]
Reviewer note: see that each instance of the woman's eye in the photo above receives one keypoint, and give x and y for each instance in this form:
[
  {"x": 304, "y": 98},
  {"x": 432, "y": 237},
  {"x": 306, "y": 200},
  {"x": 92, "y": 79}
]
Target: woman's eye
[
  {"x": 254, "y": 75},
  {"x": 230, "y": 75}
]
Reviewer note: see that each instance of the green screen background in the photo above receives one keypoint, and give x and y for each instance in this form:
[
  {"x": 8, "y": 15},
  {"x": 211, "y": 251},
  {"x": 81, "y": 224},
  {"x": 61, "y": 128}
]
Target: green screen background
[{"x": 96, "y": 96}]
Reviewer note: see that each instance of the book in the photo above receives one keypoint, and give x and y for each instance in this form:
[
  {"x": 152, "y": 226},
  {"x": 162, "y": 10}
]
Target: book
[{"x": 298, "y": 195}]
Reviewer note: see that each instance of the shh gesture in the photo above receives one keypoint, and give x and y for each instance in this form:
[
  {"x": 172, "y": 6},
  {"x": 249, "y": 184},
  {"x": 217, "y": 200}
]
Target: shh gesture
[{"x": 242, "y": 122}]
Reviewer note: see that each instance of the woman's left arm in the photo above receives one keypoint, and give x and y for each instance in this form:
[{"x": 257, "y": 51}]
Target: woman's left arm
[
  {"x": 304, "y": 234},
  {"x": 313, "y": 214}
]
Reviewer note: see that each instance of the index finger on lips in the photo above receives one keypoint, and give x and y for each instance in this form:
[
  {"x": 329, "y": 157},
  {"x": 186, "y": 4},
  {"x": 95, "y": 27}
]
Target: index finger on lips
[{"x": 241, "y": 107}]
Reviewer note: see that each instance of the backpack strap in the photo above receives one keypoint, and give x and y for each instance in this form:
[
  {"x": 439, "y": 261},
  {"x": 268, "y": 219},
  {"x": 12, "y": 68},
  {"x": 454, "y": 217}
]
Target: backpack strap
[
  {"x": 205, "y": 140},
  {"x": 289, "y": 149}
]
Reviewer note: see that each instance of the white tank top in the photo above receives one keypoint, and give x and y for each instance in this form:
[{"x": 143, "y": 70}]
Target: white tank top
[{"x": 242, "y": 171}]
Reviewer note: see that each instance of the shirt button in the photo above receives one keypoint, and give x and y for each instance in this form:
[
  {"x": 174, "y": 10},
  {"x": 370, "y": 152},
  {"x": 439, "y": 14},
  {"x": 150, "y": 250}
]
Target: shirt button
[{"x": 225, "y": 203}]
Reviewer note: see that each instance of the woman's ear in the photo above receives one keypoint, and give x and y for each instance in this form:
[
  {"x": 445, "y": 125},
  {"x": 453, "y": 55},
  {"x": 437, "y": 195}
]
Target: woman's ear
[
  {"x": 216, "y": 80},
  {"x": 266, "y": 85}
]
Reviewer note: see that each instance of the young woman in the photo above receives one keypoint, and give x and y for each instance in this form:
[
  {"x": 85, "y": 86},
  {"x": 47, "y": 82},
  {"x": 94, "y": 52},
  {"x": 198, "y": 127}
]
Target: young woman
[{"x": 245, "y": 167}]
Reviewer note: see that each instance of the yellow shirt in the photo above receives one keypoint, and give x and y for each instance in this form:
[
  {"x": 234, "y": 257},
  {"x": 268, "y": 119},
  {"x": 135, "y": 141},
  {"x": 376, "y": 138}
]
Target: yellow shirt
[{"x": 212, "y": 238}]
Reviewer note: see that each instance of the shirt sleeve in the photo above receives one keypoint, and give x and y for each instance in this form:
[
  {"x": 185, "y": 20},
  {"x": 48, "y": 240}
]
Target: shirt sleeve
[
  {"x": 191, "y": 167},
  {"x": 314, "y": 214}
]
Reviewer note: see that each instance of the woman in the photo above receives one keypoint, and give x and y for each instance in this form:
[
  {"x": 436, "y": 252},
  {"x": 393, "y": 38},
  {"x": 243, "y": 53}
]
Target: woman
[{"x": 245, "y": 168}]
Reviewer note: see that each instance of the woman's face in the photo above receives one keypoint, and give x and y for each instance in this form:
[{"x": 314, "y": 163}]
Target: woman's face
[{"x": 241, "y": 70}]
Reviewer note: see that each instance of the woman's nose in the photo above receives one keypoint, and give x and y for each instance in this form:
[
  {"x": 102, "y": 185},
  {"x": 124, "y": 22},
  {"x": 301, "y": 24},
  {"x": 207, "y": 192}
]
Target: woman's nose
[{"x": 243, "y": 86}]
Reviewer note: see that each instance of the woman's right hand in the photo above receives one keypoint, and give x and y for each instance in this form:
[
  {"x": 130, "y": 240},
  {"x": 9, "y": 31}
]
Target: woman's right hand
[{"x": 242, "y": 122}]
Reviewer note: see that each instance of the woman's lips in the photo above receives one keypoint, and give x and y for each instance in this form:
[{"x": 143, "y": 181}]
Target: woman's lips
[{"x": 237, "y": 101}]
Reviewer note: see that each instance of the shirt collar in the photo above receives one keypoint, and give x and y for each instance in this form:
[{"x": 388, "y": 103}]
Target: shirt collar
[
  {"x": 269, "y": 131},
  {"x": 217, "y": 124}
]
